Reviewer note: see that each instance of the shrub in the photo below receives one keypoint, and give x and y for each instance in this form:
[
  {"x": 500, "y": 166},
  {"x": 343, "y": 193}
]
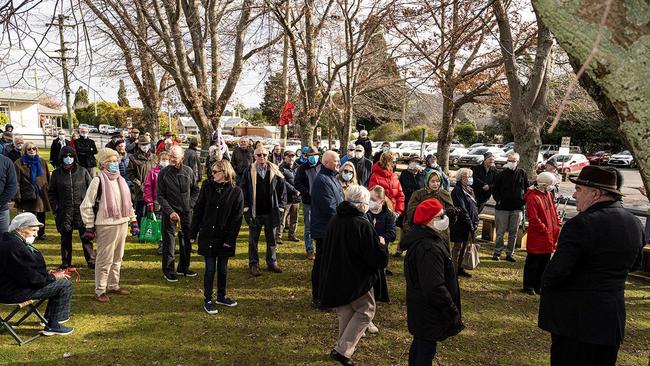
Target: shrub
[
  {"x": 465, "y": 132},
  {"x": 386, "y": 132},
  {"x": 415, "y": 134}
]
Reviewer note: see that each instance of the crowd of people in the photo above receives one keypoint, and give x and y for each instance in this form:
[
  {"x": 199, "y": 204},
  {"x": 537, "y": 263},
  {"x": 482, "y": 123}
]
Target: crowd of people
[{"x": 351, "y": 206}]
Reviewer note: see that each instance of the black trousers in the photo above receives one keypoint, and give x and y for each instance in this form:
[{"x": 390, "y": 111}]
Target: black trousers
[
  {"x": 567, "y": 351},
  {"x": 66, "y": 248},
  {"x": 533, "y": 270},
  {"x": 481, "y": 205},
  {"x": 422, "y": 352},
  {"x": 315, "y": 271},
  {"x": 169, "y": 244},
  {"x": 220, "y": 266},
  {"x": 140, "y": 207}
]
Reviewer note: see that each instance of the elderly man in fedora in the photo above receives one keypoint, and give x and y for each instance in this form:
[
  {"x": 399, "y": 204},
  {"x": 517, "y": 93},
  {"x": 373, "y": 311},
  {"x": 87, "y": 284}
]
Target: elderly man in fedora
[{"x": 582, "y": 300}]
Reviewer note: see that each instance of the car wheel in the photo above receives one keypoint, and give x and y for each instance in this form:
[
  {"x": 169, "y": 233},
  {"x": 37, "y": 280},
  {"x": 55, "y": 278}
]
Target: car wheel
[{"x": 633, "y": 164}]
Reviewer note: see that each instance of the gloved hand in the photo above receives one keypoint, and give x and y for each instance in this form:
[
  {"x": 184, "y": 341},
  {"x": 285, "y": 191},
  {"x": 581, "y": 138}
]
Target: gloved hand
[
  {"x": 149, "y": 207},
  {"x": 135, "y": 228},
  {"x": 89, "y": 234}
]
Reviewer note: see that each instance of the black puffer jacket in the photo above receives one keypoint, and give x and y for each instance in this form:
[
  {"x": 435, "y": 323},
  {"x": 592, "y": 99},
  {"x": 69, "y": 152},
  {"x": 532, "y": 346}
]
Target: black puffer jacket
[
  {"x": 86, "y": 150},
  {"x": 66, "y": 192},
  {"x": 293, "y": 195},
  {"x": 432, "y": 293},
  {"x": 217, "y": 218}
]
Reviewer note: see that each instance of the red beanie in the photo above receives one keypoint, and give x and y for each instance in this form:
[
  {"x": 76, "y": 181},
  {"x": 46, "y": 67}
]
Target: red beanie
[{"x": 426, "y": 211}]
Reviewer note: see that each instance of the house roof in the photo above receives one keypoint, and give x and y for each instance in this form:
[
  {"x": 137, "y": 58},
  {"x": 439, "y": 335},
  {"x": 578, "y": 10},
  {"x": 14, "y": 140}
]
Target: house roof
[
  {"x": 20, "y": 95},
  {"x": 230, "y": 122},
  {"x": 47, "y": 110},
  {"x": 187, "y": 122}
]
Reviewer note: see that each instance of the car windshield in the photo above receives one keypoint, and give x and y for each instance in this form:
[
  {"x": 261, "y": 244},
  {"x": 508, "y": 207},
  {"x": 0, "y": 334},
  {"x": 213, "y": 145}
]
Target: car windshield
[
  {"x": 479, "y": 151},
  {"x": 561, "y": 158},
  {"x": 625, "y": 152}
]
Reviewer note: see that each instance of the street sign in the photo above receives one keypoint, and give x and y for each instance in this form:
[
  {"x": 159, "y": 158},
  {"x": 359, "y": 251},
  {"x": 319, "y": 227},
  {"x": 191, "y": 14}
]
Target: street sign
[{"x": 564, "y": 147}]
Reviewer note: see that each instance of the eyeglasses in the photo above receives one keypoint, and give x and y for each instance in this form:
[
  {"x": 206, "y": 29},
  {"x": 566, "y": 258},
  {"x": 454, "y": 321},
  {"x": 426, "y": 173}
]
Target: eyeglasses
[
  {"x": 216, "y": 171},
  {"x": 261, "y": 155},
  {"x": 31, "y": 148}
]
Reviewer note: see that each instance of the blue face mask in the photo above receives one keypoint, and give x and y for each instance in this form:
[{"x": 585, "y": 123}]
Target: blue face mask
[
  {"x": 346, "y": 176},
  {"x": 68, "y": 160},
  {"x": 313, "y": 160},
  {"x": 470, "y": 181},
  {"x": 114, "y": 167},
  {"x": 385, "y": 149}
]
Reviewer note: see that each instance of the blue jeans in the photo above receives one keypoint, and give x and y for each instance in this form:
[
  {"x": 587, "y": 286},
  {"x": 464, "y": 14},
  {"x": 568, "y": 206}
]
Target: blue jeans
[
  {"x": 4, "y": 221},
  {"x": 306, "y": 212},
  {"x": 220, "y": 266}
]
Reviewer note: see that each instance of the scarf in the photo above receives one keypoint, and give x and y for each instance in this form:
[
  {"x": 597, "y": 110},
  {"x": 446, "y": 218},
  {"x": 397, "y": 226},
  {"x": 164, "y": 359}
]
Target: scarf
[
  {"x": 109, "y": 201},
  {"x": 35, "y": 170}
]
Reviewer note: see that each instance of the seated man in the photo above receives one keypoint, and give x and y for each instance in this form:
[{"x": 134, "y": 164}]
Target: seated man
[{"x": 23, "y": 275}]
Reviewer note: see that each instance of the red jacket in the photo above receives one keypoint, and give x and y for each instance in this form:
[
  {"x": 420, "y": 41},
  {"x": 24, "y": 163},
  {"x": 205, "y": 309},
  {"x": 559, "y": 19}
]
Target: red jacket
[
  {"x": 389, "y": 181},
  {"x": 543, "y": 222}
]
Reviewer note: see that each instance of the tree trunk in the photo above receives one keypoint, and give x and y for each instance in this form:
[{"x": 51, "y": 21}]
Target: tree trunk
[
  {"x": 446, "y": 133},
  {"x": 526, "y": 133}
]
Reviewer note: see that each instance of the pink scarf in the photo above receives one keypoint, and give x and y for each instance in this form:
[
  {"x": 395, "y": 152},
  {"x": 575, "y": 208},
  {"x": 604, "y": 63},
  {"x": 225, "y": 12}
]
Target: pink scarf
[{"x": 109, "y": 201}]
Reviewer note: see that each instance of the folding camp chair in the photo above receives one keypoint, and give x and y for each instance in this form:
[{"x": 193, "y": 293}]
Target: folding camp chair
[{"x": 32, "y": 308}]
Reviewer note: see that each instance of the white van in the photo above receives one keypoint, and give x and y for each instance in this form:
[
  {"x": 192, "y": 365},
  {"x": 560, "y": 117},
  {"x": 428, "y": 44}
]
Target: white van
[{"x": 104, "y": 129}]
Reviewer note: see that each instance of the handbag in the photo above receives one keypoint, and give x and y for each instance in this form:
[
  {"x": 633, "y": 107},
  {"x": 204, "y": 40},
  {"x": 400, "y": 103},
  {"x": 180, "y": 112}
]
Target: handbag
[
  {"x": 150, "y": 229},
  {"x": 471, "y": 257}
]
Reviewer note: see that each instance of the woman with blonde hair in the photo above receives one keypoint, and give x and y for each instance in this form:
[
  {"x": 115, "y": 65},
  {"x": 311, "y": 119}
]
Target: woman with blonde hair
[
  {"x": 107, "y": 212},
  {"x": 216, "y": 221},
  {"x": 33, "y": 178},
  {"x": 347, "y": 176}
]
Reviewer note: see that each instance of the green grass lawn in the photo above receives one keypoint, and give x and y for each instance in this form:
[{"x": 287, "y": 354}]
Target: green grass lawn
[{"x": 164, "y": 324}]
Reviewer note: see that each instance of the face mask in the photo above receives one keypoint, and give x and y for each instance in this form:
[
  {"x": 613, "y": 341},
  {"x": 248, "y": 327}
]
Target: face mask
[
  {"x": 61, "y": 137},
  {"x": 413, "y": 166},
  {"x": 439, "y": 225},
  {"x": 313, "y": 160},
  {"x": 358, "y": 154},
  {"x": 366, "y": 205},
  {"x": 375, "y": 207},
  {"x": 346, "y": 176},
  {"x": 511, "y": 165},
  {"x": 163, "y": 163},
  {"x": 68, "y": 160},
  {"x": 84, "y": 135},
  {"x": 385, "y": 149},
  {"x": 30, "y": 240},
  {"x": 470, "y": 181},
  {"x": 114, "y": 167},
  {"x": 433, "y": 165},
  {"x": 19, "y": 146},
  {"x": 144, "y": 148}
]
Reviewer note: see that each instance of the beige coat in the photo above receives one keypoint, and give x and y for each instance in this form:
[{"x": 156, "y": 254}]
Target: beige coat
[{"x": 88, "y": 214}]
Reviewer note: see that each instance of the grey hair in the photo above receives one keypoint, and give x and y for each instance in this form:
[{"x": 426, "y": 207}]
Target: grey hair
[
  {"x": 19, "y": 136},
  {"x": 357, "y": 194},
  {"x": 363, "y": 133},
  {"x": 463, "y": 173},
  {"x": 178, "y": 149},
  {"x": 513, "y": 154}
]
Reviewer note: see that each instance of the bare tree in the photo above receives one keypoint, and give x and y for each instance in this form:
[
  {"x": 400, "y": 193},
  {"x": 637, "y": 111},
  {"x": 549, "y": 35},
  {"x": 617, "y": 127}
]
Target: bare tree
[
  {"x": 453, "y": 39},
  {"x": 528, "y": 93}
]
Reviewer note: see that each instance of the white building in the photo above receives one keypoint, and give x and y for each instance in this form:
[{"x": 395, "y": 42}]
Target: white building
[
  {"x": 25, "y": 113},
  {"x": 188, "y": 126}
]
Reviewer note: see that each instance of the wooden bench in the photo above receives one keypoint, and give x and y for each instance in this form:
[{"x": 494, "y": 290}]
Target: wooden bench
[
  {"x": 489, "y": 230},
  {"x": 645, "y": 264}
]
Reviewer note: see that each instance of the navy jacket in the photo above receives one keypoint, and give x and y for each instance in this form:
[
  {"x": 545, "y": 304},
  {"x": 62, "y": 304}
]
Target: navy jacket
[
  {"x": 305, "y": 175},
  {"x": 22, "y": 270},
  {"x": 384, "y": 223},
  {"x": 8, "y": 185},
  {"x": 467, "y": 219},
  {"x": 327, "y": 196}
]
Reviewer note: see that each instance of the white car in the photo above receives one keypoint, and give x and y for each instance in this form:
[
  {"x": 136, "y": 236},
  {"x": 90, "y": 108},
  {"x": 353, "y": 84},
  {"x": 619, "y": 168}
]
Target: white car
[
  {"x": 500, "y": 161},
  {"x": 408, "y": 149},
  {"x": 103, "y": 129},
  {"x": 455, "y": 154},
  {"x": 624, "y": 158},
  {"x": 475, "y": 156}
]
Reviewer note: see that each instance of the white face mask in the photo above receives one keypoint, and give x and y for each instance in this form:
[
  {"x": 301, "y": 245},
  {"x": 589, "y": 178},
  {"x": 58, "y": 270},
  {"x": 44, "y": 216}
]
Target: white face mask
[
  {"x": 84, "y": 135},
  {"x": 439, "y": 224},
  {"x": 144, "y": 148},
  {"x": 30, "y": 240},
  {"x": 512, "y": 165},
  {"x": 163, "y": 163},
  {"x": 375, "y": 207},
  {"x": 470, "y": 181},
  {"x": 413, "y": 166},
  {"x": 358, "y": 154}
]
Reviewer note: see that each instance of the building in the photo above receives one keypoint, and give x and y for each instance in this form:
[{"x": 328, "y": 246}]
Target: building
[
  {"x": 272, "y": 132},
  {"x": 26, "y": 114},
  {"x": 188, "y": 126},
  {"x": 229, "y": 123}
]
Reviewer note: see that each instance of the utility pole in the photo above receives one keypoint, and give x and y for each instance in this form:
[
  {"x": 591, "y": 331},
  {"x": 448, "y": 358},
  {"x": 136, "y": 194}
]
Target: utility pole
[
  {"x": 285, "y": 69},
  {"x": 64, "y": 63}
]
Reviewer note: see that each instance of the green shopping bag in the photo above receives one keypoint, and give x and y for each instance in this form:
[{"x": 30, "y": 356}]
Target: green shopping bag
[{"x": 150, "y": 229}]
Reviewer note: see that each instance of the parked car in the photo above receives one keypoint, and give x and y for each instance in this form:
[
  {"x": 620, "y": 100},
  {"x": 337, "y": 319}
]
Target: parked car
[
  {"x": 475, "y": 156},
  {"x": 455, "y": 154},
  {"x": 93, "y": 129},
  {"x": 548, "y": 150},
  {"x": 103, "y": 129},
  {"x": 569, "y": 164},
  {"x": 408, "y": 149},
  {"x": 474, "y": 146},
  {"x": 500, "y": 161},
  {"x": 624, "y": 159},
  {"x": 508, "y": 146},
  {"x": 598, "y": 158}
]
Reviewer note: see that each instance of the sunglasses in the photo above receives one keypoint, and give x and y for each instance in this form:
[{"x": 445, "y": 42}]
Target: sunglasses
[
  {"x": 31, "y": 149},
  {"x": 216, "y": 171},
  {"x": 261, "y": 155}
]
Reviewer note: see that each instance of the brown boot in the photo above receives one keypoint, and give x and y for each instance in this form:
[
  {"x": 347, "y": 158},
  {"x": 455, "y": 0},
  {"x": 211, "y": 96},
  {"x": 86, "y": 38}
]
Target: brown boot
[
  {"x": 119, "y": 291},
  {"x": 255, "y": 270},
  {"x": 275, "y": 268},
  {"x": 103, "y": 298},
  {"x": 311, "y": 256}
]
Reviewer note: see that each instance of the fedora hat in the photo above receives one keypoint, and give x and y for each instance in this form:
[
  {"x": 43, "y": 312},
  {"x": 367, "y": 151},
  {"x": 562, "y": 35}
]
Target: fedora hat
[{"x": 598, "y": 177}]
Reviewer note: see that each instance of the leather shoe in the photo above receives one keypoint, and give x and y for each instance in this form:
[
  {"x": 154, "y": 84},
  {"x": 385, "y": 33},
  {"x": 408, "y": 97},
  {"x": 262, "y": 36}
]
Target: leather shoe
[
  {"x": 311, "y": 256},
  {"x": 119, "y": 291},
  {"x": 103, "y": 298},
  {"x": 340, "y": 358},
  {"x": 293, "y": 238},
  {"x": 255, "y": 271},
  {"x": 275, "y": 269}
]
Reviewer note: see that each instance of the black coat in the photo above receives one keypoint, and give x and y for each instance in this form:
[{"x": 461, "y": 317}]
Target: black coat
[
  {"x": 177, "y": 190},
  {"x": 509, "y": 189},
  {"x": 367, "y": 146},
  {"x": 242, "y": 160},
  {"x": 22, "y": 271},
  {"x": 384, "y": 223},
  {"x": 55, "y": 149},
  {"x": 467, "y": 219},
  {"x": 410, "y": 183},
  {"x": 433, "y": 308},
  {"x": 583, "y": 286},
  {"x": 277, "y": 191},
  {"x": 364, "y": 170},
  {"x": 481, "y": 178},
  {"x": 293, "y": 195},
  {"x": 86, "y": 151},
  {"x": 66, "y": 191},
  {"x": 217, "y": 218},
  {"x": 305, "y": 175},
  {"x": 351, "y": 257}
]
